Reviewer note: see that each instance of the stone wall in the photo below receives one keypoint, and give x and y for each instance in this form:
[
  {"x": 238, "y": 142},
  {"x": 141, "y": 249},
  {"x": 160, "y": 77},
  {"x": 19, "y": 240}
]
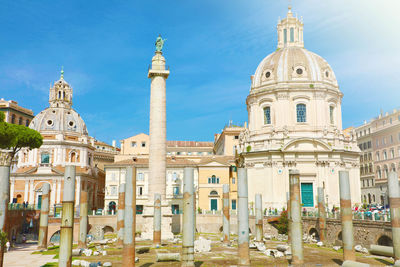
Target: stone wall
[{"x": 365, "y": 232}]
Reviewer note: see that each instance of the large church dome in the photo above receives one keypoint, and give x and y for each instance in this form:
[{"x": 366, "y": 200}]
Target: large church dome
[
  {"x": 293, "y": 64},
  {"x": 59, "y": 120}
]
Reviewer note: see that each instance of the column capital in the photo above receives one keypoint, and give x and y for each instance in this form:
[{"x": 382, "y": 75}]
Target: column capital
[{"x": 5, "y": 158}]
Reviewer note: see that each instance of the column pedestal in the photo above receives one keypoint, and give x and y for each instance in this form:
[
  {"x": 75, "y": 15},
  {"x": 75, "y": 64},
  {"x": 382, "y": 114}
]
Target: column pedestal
[{"x": 166, "y": 222}]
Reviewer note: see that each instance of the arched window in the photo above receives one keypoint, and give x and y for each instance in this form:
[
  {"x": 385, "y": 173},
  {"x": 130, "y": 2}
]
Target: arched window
[
  {"x": 331, "y": 118},
  {"x": 379, "y": 172},
  {"x": 393, "y": 167},
  {"x": 45, "y": 158},
  {"x": 27, "y": 123},
  {"x": 301, "y": 113},
  {"x": 377, "y": 156},
  {"x": 20, "y": 121},
  {"x": 386, "y": 172},
  {"x": 267, "y": 115},
  {"x": 291, "y": 35},
  {"x": 370, "y": 168},
  {"x": 13, "y": 118},
  {"x": 59, "y": 94},
  {"x": 73, "y": 157}
]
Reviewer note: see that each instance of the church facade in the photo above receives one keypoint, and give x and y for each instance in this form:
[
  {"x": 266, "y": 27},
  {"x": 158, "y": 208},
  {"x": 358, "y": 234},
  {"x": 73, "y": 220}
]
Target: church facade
[
  {"x": 65, "y": 142},
  {"x": 295, "y": 122}
]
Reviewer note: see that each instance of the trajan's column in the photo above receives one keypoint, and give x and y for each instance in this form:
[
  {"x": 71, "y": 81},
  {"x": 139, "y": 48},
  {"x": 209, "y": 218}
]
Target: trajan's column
[{"x": 158, "y": 73}]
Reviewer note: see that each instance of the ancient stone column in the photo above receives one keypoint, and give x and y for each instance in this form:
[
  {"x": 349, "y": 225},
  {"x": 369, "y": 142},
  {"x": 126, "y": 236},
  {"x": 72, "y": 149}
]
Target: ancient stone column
[
  {"x": 83, "y": 221},
  {"x": 128, "y": 258},
  {"x": 288, "y": 216},
  {"x": 5, "y": 163},
  {"x": 226, "y": 216},
  {"x": 67, "y": 217},
  {"x": 295, "y": 216},
  {"x": 120, "y": 214},
  {"x": 259, "y": 218},
  {"x": 157, "y": 220},
  {"x": 321, "y": 214},
  {"x": 243, "y": 219},
  {"x": 346, "y": 214},
  {"x": 158, "y": 73},
  {"x": 188, "y": 218},
  {"x": 44, "y": 217},
  {"x": 394, "y": 202}
]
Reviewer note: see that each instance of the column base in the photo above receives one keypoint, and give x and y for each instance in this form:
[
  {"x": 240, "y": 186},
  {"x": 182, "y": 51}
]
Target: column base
[{"x": 166, "y": 222}]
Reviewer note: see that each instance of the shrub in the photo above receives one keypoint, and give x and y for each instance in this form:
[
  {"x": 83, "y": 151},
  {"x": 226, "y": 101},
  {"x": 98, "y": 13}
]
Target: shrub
[{"x": 283, "y": 223}]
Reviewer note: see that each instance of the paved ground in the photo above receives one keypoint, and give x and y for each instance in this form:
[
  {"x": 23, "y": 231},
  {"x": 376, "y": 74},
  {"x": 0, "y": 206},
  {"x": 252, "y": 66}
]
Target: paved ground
[{"x": 21, "y": 256}]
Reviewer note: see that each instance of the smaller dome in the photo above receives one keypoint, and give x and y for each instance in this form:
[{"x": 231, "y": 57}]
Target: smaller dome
[
  {"x": 59, "y": 120},
  {"x": 293, "y": 64}
]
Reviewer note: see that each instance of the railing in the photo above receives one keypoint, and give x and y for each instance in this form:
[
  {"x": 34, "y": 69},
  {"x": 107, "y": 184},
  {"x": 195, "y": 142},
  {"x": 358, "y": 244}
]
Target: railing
[
  {"x": 18, "y": 206},
  {"x": 357, "y": 215}
]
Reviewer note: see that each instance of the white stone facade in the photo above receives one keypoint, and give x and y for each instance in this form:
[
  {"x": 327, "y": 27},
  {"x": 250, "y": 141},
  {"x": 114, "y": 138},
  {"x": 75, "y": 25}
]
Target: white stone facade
[{"x": 295, "y": 122}]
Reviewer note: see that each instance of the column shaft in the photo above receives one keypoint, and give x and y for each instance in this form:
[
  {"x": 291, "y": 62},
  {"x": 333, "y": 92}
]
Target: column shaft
[
  {"x": 321, "y": 214},
  {"x": 157, "y": 220},
  {"x": 295, "y": 216},
  {"x": 83, "y": 222},
  {"x": 188, "y": 218},
  {"x": 128, "y": 258},
  {"x": 259, "y": 218},
  {"x": 394, "y": 201},
  {"x": 226, "y": 216},
  {"x": 44, "y": 217},
  {"x": 243, "y": 219},
  {"x": 120, "y": 214},
  {"x": 346, "y": 216},
  {"x": 67, "y": 220}
]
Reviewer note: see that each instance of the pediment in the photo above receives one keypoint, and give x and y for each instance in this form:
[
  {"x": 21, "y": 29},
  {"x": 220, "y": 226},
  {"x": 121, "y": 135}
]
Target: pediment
[{"x": 306, "y": 145}]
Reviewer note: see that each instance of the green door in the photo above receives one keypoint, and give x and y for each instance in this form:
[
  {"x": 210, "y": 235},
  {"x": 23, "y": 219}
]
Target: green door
[
  {"x": 214, "y": 204},
  {"x": 307, "y": 196}
]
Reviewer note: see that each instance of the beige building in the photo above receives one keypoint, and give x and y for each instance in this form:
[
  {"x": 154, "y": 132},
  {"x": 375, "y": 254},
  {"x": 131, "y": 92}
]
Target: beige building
[
  {"x": 379, "y": 141},
  {"x": 104, "y": 153},
  {"x": 14, "y": 113},
  {"x": 295, "y": 122},
  {"x": 65, "y": 142},
  {"x": 227, "y": 142}
]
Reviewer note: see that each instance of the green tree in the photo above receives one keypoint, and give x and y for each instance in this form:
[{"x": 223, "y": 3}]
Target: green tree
[
  {"x": 15, "y": 137},
  {"x": 283, "y": 223}
]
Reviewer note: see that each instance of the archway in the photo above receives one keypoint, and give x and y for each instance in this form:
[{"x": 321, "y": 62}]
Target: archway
[
  {"x": 108, "y": 229},
  {"x": 55, "y": 238},
  {"x": 314, "y": 232},
  {"x": 339, "y": 236},
  {"x": 384, "y": 240}
]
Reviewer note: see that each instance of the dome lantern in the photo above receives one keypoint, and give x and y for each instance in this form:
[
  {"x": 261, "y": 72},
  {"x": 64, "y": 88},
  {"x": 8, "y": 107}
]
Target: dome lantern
[
  {"x": 61, "y": 93},
  {"x": 290, "y": 31}
]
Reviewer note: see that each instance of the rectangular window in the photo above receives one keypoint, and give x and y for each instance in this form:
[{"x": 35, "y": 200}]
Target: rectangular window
[
  {"x": 140, "y": 177},
  {"x": 377, "y": 156},
  {"x": 143, "y": 144},
  {"x": 267, "y": 115},
  {"x": 384, "y": 155},
  {"x": 285, "y": 36},
  {"x": 140, "y": 191},
  {"x": 236, "y": 136},
  {"x": 45, "y": 158},
  {"x": 213, "y": 178},
  {"x": 331, "y": 114},
  {"x": 291, "y": 35},
  {"x": 392, "y": 153},
  {"x": 301, "y": 112},
  {"x": 133, "y": 144},
  {"x": 369, "y": 144},
  {"x": 176, "y": 190},
  {"x": 209, "y": 180},
  {"x": 233, "y": 204},
  {"x": 217, "y": 180}
]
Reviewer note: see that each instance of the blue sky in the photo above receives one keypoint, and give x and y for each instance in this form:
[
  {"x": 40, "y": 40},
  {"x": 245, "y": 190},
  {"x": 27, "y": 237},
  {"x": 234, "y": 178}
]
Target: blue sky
[{"x": 212, "y": 48}]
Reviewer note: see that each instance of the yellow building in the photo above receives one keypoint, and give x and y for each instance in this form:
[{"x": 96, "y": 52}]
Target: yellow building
[
  {"x": 214, "y": 172},
  {"x": 14, "y": 113},
  {"x": 226, "y": 142}
]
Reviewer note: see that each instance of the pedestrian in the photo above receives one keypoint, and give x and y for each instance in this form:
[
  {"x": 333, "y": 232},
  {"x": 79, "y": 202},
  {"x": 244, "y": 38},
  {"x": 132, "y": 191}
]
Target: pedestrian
[{"x": 7, "y": 246}]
